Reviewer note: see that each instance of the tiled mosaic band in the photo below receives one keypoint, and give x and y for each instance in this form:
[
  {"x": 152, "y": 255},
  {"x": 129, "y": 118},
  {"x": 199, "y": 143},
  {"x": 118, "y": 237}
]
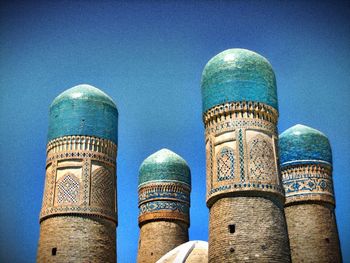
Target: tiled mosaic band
[
  {"x": 80, "y": 177},
  {"x": 241, "y": 149},
  {"x": 308, "y": 183},
  {"x": 163, "y": 200}
]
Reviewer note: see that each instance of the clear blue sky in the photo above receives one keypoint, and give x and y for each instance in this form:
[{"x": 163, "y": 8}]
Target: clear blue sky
[{"x": 149, "y": 58}]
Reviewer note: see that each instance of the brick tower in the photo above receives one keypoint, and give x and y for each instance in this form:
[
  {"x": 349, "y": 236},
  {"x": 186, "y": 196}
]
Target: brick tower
[
  {"x": 244, "y": 191},
  {"x": 306, "y": 165},
  {"x": 79, "y": 215},
  {"x": 164, "y": 202}
]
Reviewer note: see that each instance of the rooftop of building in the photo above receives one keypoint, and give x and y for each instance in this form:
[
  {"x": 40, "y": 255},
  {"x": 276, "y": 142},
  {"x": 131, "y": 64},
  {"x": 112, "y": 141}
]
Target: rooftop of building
[
  {"x": 302, "y": 144},
  {"x": 238, "y": 75},
  {"x": 164, "y": 165}
]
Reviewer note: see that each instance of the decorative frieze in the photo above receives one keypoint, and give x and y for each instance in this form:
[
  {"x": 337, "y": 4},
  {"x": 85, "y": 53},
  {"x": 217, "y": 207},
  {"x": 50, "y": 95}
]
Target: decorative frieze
[
  {"x": 241, "y": 110},
  {"x": 80, "y": 177},
  {"x": 311, "y": 182},
  {"x": 164, "y": 200},
  {"x": 241, "y": 156},
  {"x": 77, "y": 144}
]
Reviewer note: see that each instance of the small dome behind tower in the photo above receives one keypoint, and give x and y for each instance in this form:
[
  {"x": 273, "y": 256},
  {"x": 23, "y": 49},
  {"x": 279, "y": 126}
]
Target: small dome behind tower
[
  {"x": 83, "y": 110},
  {"x": 238, "y": 75},
  {"x": 304, "y": 145},
  {"x": 189, "y": 252},
  {"x": 164, "y": 165}
]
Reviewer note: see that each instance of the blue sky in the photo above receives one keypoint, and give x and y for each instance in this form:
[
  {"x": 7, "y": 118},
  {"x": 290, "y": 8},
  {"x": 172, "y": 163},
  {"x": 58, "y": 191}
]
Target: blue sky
[{"x": 149, "y": 58}]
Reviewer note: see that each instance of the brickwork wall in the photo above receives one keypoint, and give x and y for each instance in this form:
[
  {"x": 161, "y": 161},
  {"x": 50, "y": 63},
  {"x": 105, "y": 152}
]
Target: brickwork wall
[
  {"x": 259, "y": 231},
  {"x": 77, "y": 239},
  {"x": 159, "y": 237},
  {"x": 313, "y": 233}
]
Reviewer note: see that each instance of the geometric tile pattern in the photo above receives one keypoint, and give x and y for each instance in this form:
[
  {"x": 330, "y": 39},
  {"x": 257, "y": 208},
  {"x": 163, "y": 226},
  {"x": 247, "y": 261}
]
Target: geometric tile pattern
[
  {"x": 307, "y": 183},
  {"x": 86, "y": 181},
  {"x": 50, "y": 181},
  {"x": 225, "y": 164},
  {"x": 160, "y": 200},
  {"x": 241, "y": 154},
  {"x": 68, "y": 189},
  {"x": 209, "y": 160},
  {"x": 102, "y": 188},
  {"x": 168, "y": 191},
  {"x": 72, "y": 196},
  {"x": 261, "y": 159},
  {"x": 164, "y": 205},
  {"x": 210, "y": 165},
  {"x": 254, "y": 159}
]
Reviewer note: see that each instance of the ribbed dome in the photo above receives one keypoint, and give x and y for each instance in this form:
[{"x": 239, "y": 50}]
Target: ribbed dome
[
  {"x": 189, "y": 252},
  {"x": 83, "y": 110},
  {"x": 164, "y": 165},
  {"x": 301, "y": 144},
  {"x": 238, "y": 75}
]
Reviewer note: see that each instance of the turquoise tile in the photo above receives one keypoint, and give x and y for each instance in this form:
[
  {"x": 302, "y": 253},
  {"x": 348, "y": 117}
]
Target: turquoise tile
[
  {"x": 164, "y": 165},
  {"x": 83, "y": 110},
  {"x": 238, "y": 75},
  {"x": 301, "y": 144}
]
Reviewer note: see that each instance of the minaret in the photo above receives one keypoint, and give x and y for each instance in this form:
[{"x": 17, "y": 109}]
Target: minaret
[
  {"x": 306, "y": 165},
  {"x": 164, "y": 203},
  {"x": 244, "y": 190},
  {"x": 79, "y": 215}
]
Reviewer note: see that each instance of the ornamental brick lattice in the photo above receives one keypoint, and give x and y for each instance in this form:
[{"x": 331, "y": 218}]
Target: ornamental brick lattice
[
  {"x": 164, "y": 202},
  {"x": 306, "y": 165},
  {"x": 79, "y": 214},
  {"x": 244, "y": 189}
]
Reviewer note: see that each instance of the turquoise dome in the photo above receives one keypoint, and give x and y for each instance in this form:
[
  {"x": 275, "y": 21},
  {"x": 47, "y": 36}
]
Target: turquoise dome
[
  {"x": 304, "y": 145},
  {"x": 238, "y": 75},
  {"x": 83, "y": 110},
  {"x": 164, "y": 165}
]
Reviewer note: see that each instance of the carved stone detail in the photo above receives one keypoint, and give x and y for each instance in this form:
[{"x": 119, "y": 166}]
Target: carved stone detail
[
  {"x": 261, "y": 160},
  {"x": 80, "y": 177},
  {"x": 243, "y": 134}
]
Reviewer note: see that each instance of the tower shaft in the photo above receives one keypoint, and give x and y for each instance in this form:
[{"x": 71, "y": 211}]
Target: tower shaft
[
  {"x": 158, "y": 238},
  {"x": 306, "y": 166},
  {"x": 164, "y": 204},
  {"x": 77, "y": 239},
  {"x": 78, "y": 216},
  {"x": 247, "y": 229},
  {"x": 244, "y": 191},
  {"x": 163, "y": 219},
  {"x": 310, "y": 213}
]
